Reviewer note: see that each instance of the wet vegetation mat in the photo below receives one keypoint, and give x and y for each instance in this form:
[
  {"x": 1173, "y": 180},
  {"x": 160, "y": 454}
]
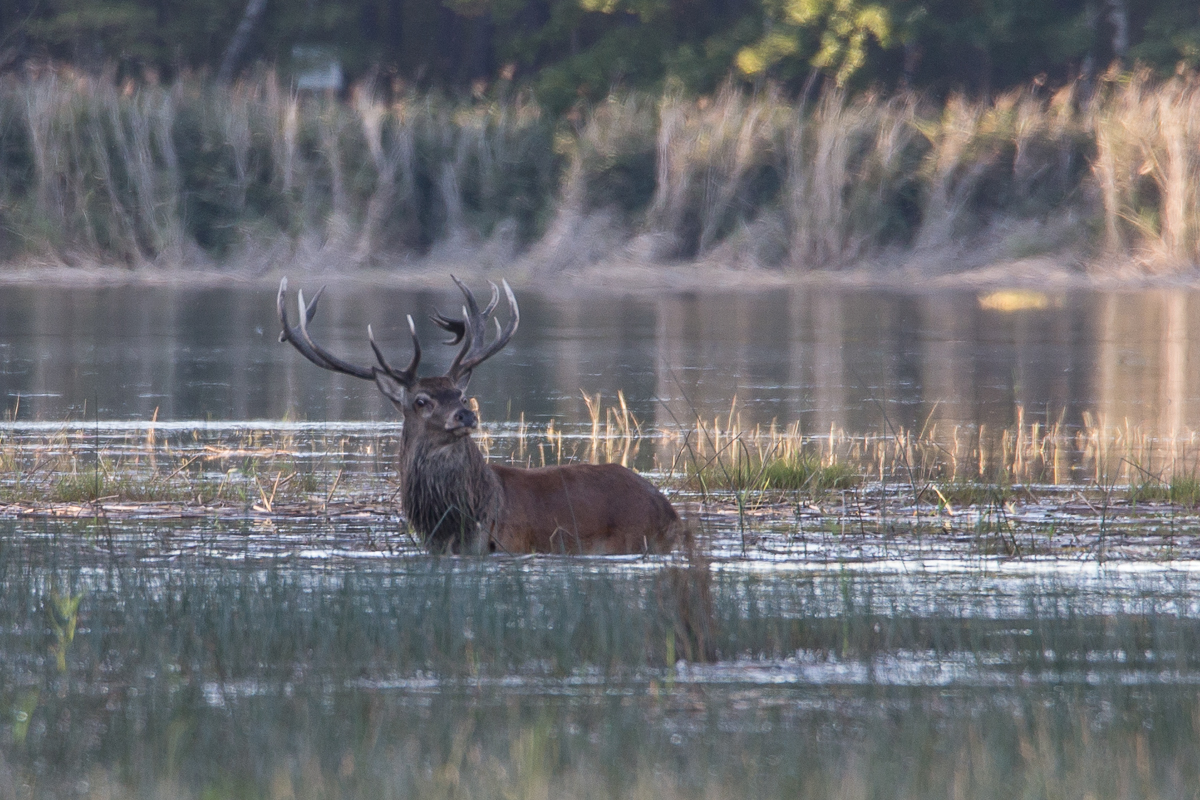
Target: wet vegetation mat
[
  {"x": 133, "y": 670},
  {"x": 768, "y": 493},
  {"x": 200, "y": 611}
]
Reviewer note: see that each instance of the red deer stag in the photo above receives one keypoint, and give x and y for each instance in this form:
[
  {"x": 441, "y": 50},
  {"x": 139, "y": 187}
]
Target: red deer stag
[{"x": 459, "y": 503}]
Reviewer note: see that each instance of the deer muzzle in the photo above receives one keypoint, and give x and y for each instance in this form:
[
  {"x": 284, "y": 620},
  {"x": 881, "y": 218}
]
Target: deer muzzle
[{"x": 462, "y": 421}]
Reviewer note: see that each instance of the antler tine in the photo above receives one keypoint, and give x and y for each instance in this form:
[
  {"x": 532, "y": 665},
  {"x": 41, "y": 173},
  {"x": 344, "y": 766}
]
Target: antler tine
[
  {"x": 285, "y": 335},
  {"x": 456, "y": 327},
  {"x": 304, "y": 343},
  {"x": 407, "y": 376},
  {"x": 473, "y": 352},
  {"x": 490, "y": 306},
  {"x": 332, "y": 362},
  {"x": 472, "y": 308},
  {"x": 279, "y": 303},
  {"x": 312, "y": 307}
]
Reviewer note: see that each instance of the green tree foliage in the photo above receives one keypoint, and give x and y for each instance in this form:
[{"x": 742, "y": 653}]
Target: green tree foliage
[
  {"x": 831, "y": 35},
  {"x": 1172, "y": 37},
  {"x": 570, "y": 51}
]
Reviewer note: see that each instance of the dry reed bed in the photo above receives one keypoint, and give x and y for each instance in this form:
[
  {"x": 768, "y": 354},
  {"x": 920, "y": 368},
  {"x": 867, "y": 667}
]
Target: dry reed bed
[
  {"x": 1095, "y": 454},
  {"x": 1116, "y": 490},
  {"x": 198, "y": 172}
]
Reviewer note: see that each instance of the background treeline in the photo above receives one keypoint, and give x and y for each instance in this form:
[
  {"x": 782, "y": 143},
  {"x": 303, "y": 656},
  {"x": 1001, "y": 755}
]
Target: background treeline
[
  {"x": 573, "y": 50},
  {"x": 204, "y": 171},
  {"x": 800, "y": 133}
]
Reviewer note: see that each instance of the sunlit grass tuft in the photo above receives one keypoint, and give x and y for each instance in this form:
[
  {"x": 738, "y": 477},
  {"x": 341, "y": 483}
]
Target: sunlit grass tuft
[
  {"x": 964, "y": 493},
  {"x": 794, "y": 473}
]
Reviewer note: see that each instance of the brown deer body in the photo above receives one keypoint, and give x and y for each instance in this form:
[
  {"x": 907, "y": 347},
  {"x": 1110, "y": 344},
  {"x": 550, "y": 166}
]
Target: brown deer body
[{"x": 454, "y": 499}]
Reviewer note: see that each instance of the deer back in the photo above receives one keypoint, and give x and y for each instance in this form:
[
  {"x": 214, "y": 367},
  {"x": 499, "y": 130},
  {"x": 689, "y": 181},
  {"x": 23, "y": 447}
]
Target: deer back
[{"x": 583, "y": 508}]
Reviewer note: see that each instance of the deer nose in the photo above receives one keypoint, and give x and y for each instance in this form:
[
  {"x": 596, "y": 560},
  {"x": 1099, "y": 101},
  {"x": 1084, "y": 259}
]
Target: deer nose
[{"x": 463, "y": 418}]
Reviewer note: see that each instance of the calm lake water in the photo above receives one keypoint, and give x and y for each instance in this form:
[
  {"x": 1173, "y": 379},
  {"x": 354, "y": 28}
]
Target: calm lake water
[
  {"x": 308, "y": 657},
  {"x": 822, "y": 357}
]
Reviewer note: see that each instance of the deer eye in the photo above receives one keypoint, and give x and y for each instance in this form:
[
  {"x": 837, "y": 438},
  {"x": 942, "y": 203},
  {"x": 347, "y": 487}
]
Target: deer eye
[{"x": 421, "y": 402}]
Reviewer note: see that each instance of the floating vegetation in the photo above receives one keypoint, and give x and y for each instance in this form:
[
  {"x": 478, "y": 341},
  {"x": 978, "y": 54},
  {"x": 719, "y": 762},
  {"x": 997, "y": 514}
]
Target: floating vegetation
[{"x": 1093, "y": 491}]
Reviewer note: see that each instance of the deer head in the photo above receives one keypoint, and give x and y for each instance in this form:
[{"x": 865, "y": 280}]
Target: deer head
[{"x": 434, "y": 408}]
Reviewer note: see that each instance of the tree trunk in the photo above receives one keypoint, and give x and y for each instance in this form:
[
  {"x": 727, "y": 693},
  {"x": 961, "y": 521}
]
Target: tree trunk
[
  {"x": 241, "y": 37},
  {"x": 1118, "y": 17}
]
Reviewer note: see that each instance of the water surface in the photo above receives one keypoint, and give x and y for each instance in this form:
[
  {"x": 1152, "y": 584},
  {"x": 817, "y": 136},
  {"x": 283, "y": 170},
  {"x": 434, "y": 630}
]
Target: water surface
[
  {"x": 235, "y": 652},
  {"x": 824, "y": 357},
  {"x": 260, "y": 674}
]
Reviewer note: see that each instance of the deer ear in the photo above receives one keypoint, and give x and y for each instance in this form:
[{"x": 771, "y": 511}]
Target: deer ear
[
  {"x": 462, "y": 381},
  {"x": 392, "y": 389}
]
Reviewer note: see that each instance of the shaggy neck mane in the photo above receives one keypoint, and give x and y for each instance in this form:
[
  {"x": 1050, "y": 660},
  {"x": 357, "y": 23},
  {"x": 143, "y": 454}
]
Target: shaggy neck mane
[{"x": 451, "y": 497}]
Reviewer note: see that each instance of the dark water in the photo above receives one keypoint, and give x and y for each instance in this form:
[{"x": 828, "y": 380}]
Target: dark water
[{"x": 823, "y": 357}]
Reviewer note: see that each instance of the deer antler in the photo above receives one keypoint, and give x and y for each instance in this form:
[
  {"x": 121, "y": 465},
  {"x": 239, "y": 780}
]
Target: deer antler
[
  {"x": 303, "y": 342},
  {"x": 458, "y": 327},
  {"x": 472, "y": 330}
]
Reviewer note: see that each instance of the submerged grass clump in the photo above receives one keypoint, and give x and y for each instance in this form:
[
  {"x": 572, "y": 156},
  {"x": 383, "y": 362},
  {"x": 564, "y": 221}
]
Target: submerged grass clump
[
  {"x": 963, "y": 493},
  {"x": 793, "y": 473},
  {"x": 1180, "y": 490}
]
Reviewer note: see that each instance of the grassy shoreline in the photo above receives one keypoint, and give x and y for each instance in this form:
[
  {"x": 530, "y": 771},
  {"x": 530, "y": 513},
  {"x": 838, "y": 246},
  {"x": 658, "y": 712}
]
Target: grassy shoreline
[
  {"x": 1093, "y": 494},
  {"x": 252, "y": 179}
]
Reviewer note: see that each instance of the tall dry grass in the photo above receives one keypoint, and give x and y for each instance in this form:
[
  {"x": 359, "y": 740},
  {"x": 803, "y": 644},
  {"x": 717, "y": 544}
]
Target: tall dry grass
[
  {"x": 848, "y": 162},
  {"x": 203, "y": 172},
  {"x": 717, "y": 162},
  {"x": 723, "y": 453},
  {"x": 199, "y": 172},
  {"x": 1146, "y": 166}
]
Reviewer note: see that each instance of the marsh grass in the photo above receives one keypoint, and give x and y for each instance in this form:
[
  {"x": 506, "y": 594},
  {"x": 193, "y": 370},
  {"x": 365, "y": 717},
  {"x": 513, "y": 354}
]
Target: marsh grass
[
  {"x": 919, "y": 480},
  {"x": 964, "y": 493},
  {"x": 1038, "y": 489},
  {"x": 78, "y": 466},
  {"x": 770, "y": 475},
  {"x": 1181, "y": 490},
  {"x": 204, "y": 173},
  {"x": 482, "y": 754},
  {"x": 515, "y": 677},
  {"x": 724, "y": 454}
]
